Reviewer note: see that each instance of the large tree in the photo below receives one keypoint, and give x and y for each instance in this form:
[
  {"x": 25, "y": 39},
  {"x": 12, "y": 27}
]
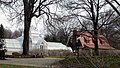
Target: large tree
[
  {"x": 24, "y": 11},
  {"x": 32, "y": 8},
  {"x": 91, "y": 14}
]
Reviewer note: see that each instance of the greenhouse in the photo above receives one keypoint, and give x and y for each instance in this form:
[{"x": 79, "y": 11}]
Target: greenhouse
[{"x": 36, "y": 45}]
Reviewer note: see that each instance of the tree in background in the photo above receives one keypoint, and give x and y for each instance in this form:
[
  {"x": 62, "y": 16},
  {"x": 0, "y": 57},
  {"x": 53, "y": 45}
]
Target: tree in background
[
  {"x": 1, "y": 31},
  {"x": 112, "y": 33},
  {"x": 2, "y": 42},
  {"x": 113, "y": 30},
  {"x": 58, "y": 37},
  {"x": 16, "y": 34},
  {"x": 91, "y": 14},
  {"x": 60, "y": 27}
]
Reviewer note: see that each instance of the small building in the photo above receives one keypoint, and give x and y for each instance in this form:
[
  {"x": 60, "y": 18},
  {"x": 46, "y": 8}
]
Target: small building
[
  {"x": 37, "y": 45},
  {"x": 58, "y": 49},
  {"x": 86, "y": 42},
  {"x": 12, "y": 45},
  {"x": 57, "y": 46}
]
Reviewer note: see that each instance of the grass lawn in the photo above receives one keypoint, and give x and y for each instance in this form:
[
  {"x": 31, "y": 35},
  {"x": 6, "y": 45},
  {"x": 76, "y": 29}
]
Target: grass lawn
[
  {"x": 91, "y": 62},
  {"x": 15, "y": 66}
]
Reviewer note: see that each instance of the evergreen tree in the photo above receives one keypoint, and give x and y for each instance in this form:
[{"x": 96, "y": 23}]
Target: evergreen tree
[
  {"x": 1, "y": 35},
  {"x": 2, "y": 51},
  {"x": 1, "y": 31}
]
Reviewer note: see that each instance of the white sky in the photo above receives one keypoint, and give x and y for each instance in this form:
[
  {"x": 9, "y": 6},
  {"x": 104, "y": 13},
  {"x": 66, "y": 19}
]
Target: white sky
[
  {"x": 40, "y": 27},
  {"x": 3, "y": 19},
  {"x": 8, "y": 25}
]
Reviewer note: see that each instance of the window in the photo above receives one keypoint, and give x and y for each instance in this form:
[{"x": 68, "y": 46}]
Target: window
[
  {"x": 41, "y": 47},
  {"x": 86, "y": 40},
  {"x": 101, "y": 41}
]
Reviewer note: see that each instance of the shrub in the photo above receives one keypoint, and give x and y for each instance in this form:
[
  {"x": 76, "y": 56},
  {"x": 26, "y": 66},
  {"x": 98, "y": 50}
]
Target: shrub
[{"x": 16, "y": 54}]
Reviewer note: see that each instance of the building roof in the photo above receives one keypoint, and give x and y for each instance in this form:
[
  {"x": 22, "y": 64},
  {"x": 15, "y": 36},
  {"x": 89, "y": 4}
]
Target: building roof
[
  {"x": 13, "y": 45},
  {"x": 57, "y": 46},
  {"x": 87, "y": 41}
]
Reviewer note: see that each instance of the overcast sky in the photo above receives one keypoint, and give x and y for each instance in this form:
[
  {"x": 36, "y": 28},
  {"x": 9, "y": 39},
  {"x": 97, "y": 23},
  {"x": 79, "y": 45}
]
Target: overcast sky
[
  {"x": 7, "y": 24},
  {"x": 3, "y": 19}
]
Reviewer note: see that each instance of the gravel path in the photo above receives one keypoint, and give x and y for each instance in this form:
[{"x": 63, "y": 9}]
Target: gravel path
[{"x": 38, "y": 62}]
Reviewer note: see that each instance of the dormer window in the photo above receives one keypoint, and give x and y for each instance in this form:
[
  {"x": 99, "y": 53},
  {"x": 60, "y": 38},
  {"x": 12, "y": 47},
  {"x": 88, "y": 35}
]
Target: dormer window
[
  {"x": 86, "y": 40},
  {"x": 101, "y": 41}
]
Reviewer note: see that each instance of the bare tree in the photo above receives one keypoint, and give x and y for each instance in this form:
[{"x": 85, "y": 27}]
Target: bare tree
[
  {"x": 24, "y": 11},
  {"x": 91, "y": 12},
  {"x": 30, "y": 11},
  {"x": 61, "y": 27},
  {"x": 16, "y": 34},
  {"x": 112, "y": 33},
  {"x": 8, "y": 33},
  {"x": 113, "y": 30}
]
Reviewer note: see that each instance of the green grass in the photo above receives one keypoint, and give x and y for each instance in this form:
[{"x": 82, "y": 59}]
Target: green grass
[
  {"x": 15, "y": 66},
  {"x": 56, "y": 56},
  {"x": 61, "y": 56},
  {"x": 91, "y": 62}
]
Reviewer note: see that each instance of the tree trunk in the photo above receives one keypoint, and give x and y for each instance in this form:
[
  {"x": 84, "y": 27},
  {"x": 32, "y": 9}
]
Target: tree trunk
[
  {"x": 26, "y": 38},
  {"x": 95, "y": 37},
  {"x": 27, "y": 22},
  {"x": 74, "y": 39}
]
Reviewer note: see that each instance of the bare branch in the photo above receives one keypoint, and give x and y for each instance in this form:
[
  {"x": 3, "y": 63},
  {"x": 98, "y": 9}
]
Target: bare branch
[
  {"x": 5, "y": 2},
  {"x": 113, "y": 7},
  {"x": 117, "y": 2}
]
